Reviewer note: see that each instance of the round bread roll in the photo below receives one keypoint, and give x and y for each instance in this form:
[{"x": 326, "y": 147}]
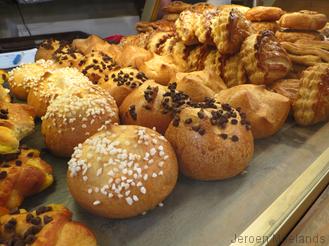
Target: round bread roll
[
  {"x": 152, "y": 105},
  {"x": 66, "y": 56},
  {"x": 294, "y": 35},
  {"x": 264, "y": 59},
  {"x": 48, "y": 47},
  {"x": 303, "y": 20},
  {"x": 52, "y": 84},
  {"x": 26, "y": 77},
  {"x": 72, "y": 117},
  {"x": 261, "y": 13},
  {"x": 266, "y": 110},
  {"x": 97, "y": 66},
  {"x": 199, "y": 84},
  {"x": 122, "y": 82},
  {"x": 287, "y": 87},
  {"x": 263, "y": 26},
  {"x": 212, "y": 141},
  {"x": 241, "y": 8},
  {"x": 122, "y": 172}
]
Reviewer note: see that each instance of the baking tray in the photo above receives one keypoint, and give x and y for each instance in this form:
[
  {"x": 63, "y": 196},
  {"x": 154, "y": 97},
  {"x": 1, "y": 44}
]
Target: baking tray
[{"x": 213, "y": 213}]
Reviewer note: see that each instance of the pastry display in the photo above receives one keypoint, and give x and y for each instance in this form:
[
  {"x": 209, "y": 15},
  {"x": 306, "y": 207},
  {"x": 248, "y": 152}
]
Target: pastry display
[
  {"x": 267, "y": 111},
  {"x": 261, "y": 13},
  {"x": 16, "y": 122},
  {"x": 54, "y": 83},
  {"x": 74, "y": 116},
  {"x": 264, "y": 59},
  {"x": 312, "y": 103},
  {"x": 214, "y": 132},
  {"x": 122, "y": 172},
  {"x": 27, "y": 76},
  {"x": 123, "y": 81},
  {"x": 50, "y": 225},
  {"x": 287, "y": 87},
  {"x": 152, "y": 105},
  {"x": 22, "y": 175}
]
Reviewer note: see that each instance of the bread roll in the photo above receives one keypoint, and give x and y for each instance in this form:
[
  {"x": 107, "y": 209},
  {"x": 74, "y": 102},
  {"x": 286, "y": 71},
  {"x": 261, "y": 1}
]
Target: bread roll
[
  {"x": 86, "y": 45},
  {"x": 262, "y": 13},
  {"x": 122, "y": 172},
  {"x": 212, "y": 141},
  {"x": 66, "y": 56},
  {"x": 48, "y": 47},
  {"x": 267, "y": 111},
  {"x": 133, "y": 55}
]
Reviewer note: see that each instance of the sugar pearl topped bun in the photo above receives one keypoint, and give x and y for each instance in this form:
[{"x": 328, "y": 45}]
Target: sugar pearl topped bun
[
  {"x": 54, "y": 83},
  {"x": 212, "y": 141},
  {"x": 123, "y": 81},
  {"x": 27, "y": 76},
  {"x": 122, "y": 172},
  {"x": 97, "y": 66},
  {"x": 48, "y": 48},
  {"x": 74, "y": 116},
  {"x": 152, "y": 105}
]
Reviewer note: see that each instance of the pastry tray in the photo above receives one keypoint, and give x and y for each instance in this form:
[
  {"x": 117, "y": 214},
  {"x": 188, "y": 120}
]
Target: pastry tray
[{"x": 288, "y": 171}]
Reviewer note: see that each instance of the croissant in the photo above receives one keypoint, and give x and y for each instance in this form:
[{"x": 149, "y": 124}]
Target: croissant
[
  {"x": 46, "y": 226},
  {"x": 25, "y": 175}
]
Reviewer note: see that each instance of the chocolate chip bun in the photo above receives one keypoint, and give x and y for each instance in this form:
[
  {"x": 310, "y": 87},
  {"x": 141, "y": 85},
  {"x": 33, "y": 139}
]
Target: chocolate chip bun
[
  {"x": 212, "y": 141},
  {"x": 67, "y": 56},
  {"x": 152, "y": 105},
  {"x": 54, "y": 83},
  {"x": 27, "y": 76},
  {"x": 122, "y": 172},
  {"x": 267, "y": 111},
  {"x": 72, "y": 117},
  {"x": 48, "y": 47}
]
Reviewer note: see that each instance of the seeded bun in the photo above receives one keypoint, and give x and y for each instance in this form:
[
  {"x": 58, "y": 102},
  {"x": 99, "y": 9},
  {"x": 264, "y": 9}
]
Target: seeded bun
[
  {"x": 26, "y": 77},
  {"x": 47, "y": 48},
  {"x": 74, "y": 116},
  {"x": 122, "y": 172},
  {"x": 122, "y": 82},
  {"x": 211, "y": 141},
  {"x": 52, "y": 84},
  {"x": 152, "y": 105},
  {"x": 266, "y": 110}
]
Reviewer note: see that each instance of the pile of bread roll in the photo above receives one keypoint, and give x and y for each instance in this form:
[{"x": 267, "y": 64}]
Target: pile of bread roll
[{"x": 190, "y": 93}]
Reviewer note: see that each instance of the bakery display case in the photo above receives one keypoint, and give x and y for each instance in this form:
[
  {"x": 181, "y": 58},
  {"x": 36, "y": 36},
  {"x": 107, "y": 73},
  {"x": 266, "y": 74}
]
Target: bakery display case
[{"x": 207, "y": 127}]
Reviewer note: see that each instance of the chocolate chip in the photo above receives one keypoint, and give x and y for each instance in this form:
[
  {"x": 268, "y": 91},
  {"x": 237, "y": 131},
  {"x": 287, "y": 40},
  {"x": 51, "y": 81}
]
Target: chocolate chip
[
  {"x": 176, "y": 121},
  {"x": 188, "y": 121},
  {"x": 4, "y": 111},
  {"x": 10, "y": 226},
  {"x": 43, "y": 209},
  {"x": 29, "y": 217},
  {"x": 47, "y": 219},
  {"x": 35, "y": 221},
  {"x": 202, "y": 131},
  {"x": 235, "y": 138},
  {"x": 30, "y": 154},
  {"x": 223, "y": 135},
  {"x": 35, "y": 229},
  {"x": 132, "y": 112},
  {"x": 18, "y": 163},
  {"x": 196, "y": 128},
  {"x": 234, "y": 121},
  {"x": 201, "y": 114},
  {"x": 30, "y": 239},
  {"x": 3, "y": 175},
  {"x": 14, "y": 211}
]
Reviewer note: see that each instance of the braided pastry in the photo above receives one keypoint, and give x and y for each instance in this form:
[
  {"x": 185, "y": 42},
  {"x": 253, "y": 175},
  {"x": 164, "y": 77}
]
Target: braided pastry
[
  {"x": 46, "y": 226},
  {"x": 312, "y": 103},
  {"x": 264, "y": 59},
  {"x": 24, "y": 175},
  {"x": 176, "y": 48},
  {"x": 156, "y": 41},
  {"x": 287, "y": 87},
  {"x": 186, "y": 26},
  {"x": 233, "y": 72}
]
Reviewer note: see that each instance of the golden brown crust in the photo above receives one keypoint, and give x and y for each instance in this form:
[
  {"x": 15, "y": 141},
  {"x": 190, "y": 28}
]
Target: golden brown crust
[
  {"x": 86, "y": 45},
  {"x": 74, "y": 116},
  {"x": 287, "y": 87},
  {"x": 139, "y": 40},
  {"x": 176, "y": 7},
  {"x": 232, "y": 71},
  {"x": 267, "y": 111},
  {"x": 122, "y": 172},
  {"x": 263, "y": 26},
  {"x": 303, "y": 20},
  {"x": 162, "y": 25},
  {"x": 209, "y": 145},
  {"x": 314, "y": 43},
  {"x": 22, "y": 176},
  {"x": 66, "y": 56},
  {"x": 171, "y": 17},
  {"x": 204, "y": 24},
  {"x": 262, "y": 13},
  {"x": 199, "y": 84},
  {"x": 16, "y": 122},
  {"x": 201, "y": 7},
  {"x": 185, "y": 26},
  {"x": 264, "y": 59},
  {"x": 312, "y": 104},
  {"x": 177, "y": 49},
  {"x": 133, "y": 55},
  {"x": 48, "y": 47},
  {"x": 4, "y": 93},
  {"x": 294, "y": 36},
  {"x": 156, "y": 40},
  {"x": 47, "y": 226}
]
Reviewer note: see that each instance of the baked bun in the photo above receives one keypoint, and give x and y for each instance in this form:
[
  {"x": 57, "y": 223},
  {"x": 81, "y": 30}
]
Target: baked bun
[
  {"x": 263, "y": 26},
  {"x": 54, "y": 83},
  {"x": 241, "y": 8},
  {"x": 233, "y": 71},
  {"x": 27, "y": 76},
  {"x": 16, "y": 122},
  {"x": 175, "y": 7},
  {"x": 159, "y": 68},
  {"x": 97, "y": 66},
  {"x": 131, "y": 55},
  {"x": 312, "y": 103},
  {"x": 171, "y": 17},
  {"x": 66, "y": 56},
  {"x": 48, "y": 47},
  {"x": 212, "y": 141},
  {"x": 294, "y": 35},
  {"x": 122, "y": 172},
  {"x": 48, "y": 226},
  {"x": 261, "y": 13},
  {"x": 74, "y": 116},
  {"x": 152, "y": 105},
  {"x": 264, "y": 59},
  {"x": 267, "y": 111},
  {"x": 23, "y": 175},
  {"x": 199, "y": 84},
  {"x": 303, "y": 20},
  {"x": 287, "y": 87},
  {"x": 123, "y": 81},
  {"x": 86, "y": 45}
]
